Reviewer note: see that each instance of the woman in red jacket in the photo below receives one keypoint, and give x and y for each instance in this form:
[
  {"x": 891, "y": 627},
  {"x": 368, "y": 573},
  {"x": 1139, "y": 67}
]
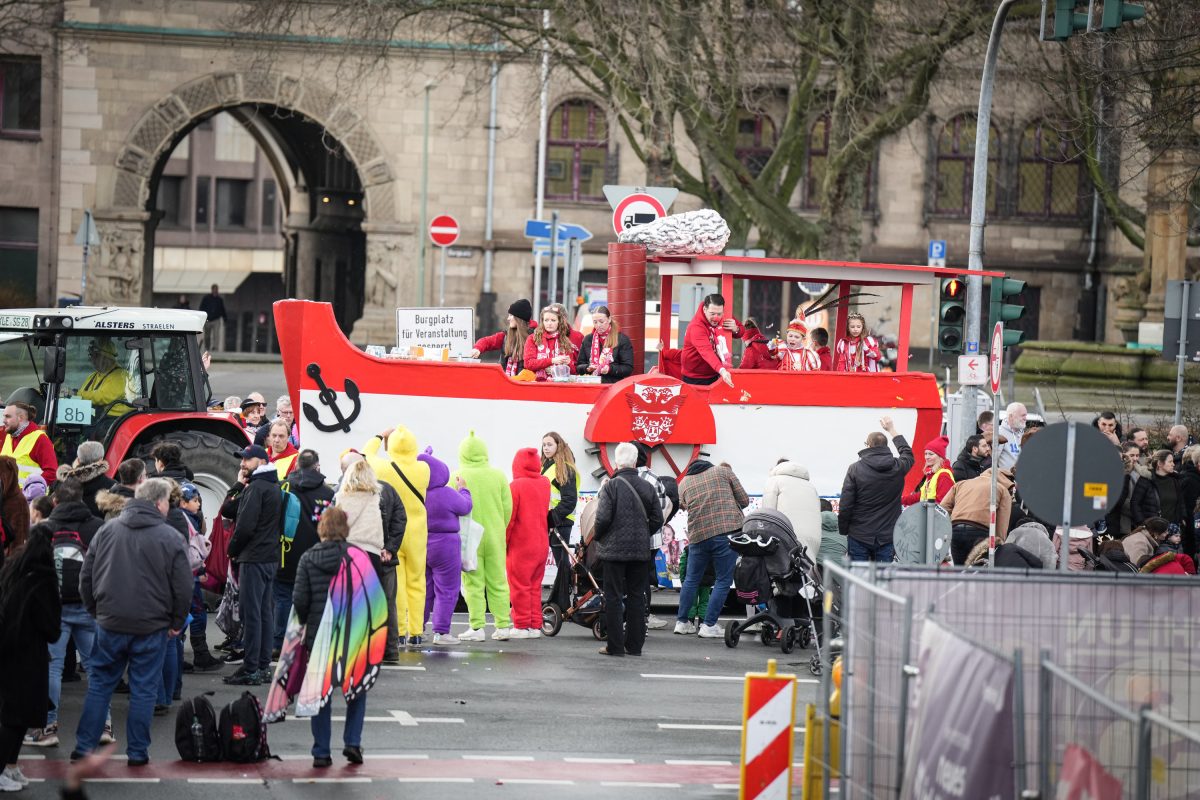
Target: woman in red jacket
[
  {"x": 550, "y": 346},
  {"x": 759, "y": 352},
  {"x": 510, "y": 342},
  {"x": 526, "y": 542}
]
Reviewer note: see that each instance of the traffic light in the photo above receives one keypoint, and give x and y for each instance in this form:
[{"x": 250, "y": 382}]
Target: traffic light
[
  {"x": 952, "y": 315},
  {"x": 1066, "y": 20},
  {"x": 1116, "y": 13},
  {"x": 1000, "y": 311}
]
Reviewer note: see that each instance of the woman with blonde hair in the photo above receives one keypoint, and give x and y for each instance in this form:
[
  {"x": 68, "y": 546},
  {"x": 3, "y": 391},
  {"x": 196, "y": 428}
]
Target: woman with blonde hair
[
  {"x": 606, "y": 351},
  {"x": 359, "y": 498},
  {"x": 558, "y": 466},
  {"x": 549, "y": 350}
]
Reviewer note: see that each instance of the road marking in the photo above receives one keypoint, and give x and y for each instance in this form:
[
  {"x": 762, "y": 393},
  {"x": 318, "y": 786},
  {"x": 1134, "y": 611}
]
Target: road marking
[
  {"x": 642, "y": 785},
  {"x": 599, "y": 760},
  {"x": 331, "y": 780},
  {"x": 123, "y": 780},
  {"x": 536, "y": 781},
  {"x": 455, "y": 720},
  {"x": 668, "y": 676},
  {"x": 728, "y": 786},
  {"x": 687, "y": 763},
  {"x": 227, "y": 780},
  {"x": 497, "y": 758},
  {"x": 32, "y": 757},
  {"x": 401, "y": 668},
  {"x": 680, "y": 726},
  {"x": 436, "y": 780},
  {"x": 405, "y": 719}
]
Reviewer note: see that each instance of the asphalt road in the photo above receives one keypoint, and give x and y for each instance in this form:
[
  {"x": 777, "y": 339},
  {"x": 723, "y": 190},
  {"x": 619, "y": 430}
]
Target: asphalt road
[{"x": 545, "y": 718}]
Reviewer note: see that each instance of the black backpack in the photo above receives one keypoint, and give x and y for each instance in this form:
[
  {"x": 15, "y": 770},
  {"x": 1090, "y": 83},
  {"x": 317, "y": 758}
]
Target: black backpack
[
  {"x": 752, "y": 580},
  {"x": 242, "y": 732},
  {"x": 69, "y": 552},
  {"x": 196, "y": 736}
]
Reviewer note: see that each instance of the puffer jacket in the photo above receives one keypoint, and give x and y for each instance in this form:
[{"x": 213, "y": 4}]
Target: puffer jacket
[
  {"x": 443, "y": 505},
  {"x": 622, "y": 529},
  {"x": 110, "y": 502},
  {"x": 871, "y": 492},
  {"x": 314, "y": 573},
  {"x": 833, "y": 546},
  {"x": 1032, "y": 537},
  {"x": 789, "y": 491},
  {"x": 93, "y": 477},
  {"x": 365, "y": 518},
  {"x": 970, "y": 501},
  {"x": 255, "y": 537}
]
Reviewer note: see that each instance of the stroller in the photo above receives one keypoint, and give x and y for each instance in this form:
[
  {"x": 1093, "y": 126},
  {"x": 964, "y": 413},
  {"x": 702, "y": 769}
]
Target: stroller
[
  {"x": 587, "y": 600},
  {"x": 775, "y": 569}
]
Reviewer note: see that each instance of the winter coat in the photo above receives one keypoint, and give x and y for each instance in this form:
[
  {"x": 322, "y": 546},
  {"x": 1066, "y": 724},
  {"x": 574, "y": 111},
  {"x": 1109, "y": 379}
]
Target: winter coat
[
  {"x": 701, "y": 360},
  {"x": 30, "y": 618},
  {"x": 365, "y": 518},
  {"x": 72, "y": 516},
  {"x": 970, "y": 502},
  {"x": 871, "y": 492},
  {"x": 491, "y": 497},
  {"x": 968, "y": 466},
  {"x": 400, "y": 452},
  {"x": 14, "y": 510},
  {"x": 833, "y": 546},
  {"x": 110, "y": 502},
  {"x": 1137, "y": 503},
  {"x": 757, "y": 355},
  {"x": 1170, "y": 497},
  {"x": 622, "y": 359},
  {"x": 1167, "y": 563},
  {"x": 1007, "y": 555},
  {"x": 94, "y": 478},
  {"x": 945, "y": 481},
  {"x": 256, "y": 532},
  {"x": 314, "y": 573},
  {"x": 526, "y": 533},
  {"x": 395, "y": 521},
  {"x": 1138, "y": 545},
  {"x": 443, "y": 504},
  {"x": 1032, "y": 537},
  {"x": 564, "y": 499},
  {"x": 714, "y": 499},
  {"x": 623, "y": 529},
  {"x": 315, "y": 496},
  {"x": 176, "y": 472},
  {"x": 136, "y": 578},
  {"x": 789, "y": 491},
  {"x": 538, "y": 357}
]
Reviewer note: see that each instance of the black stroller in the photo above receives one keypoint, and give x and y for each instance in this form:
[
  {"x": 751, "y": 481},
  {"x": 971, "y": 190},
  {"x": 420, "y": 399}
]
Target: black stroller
[
  {"x": 587, "y": 599},
  {"x": 775, "y": 569}
]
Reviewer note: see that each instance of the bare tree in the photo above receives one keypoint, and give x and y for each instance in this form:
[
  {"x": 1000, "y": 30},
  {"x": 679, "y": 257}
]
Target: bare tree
[
  {"x": 710, "y": 68},
  {"x": 25, "y": 25}
]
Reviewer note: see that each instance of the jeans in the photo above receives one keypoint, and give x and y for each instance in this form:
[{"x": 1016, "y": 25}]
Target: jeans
[
  {"x": 884, "y": 553},
  {"x": 78, "y": 623},
  {"x": 282, "y": 593},
  {"x": 715, "y": 551},
  {"x": 322, "y": 725},
  {"x": 172, "y": 671},
  {"x": 963, "y": 539},
  {"x": 258, "y": 618},
  {"x": 111, "y": 654},
  {"x": 624, "y": 594}
]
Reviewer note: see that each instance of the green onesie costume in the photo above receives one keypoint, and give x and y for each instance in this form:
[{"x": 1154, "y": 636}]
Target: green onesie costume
[{"x": 492, "y": 508}]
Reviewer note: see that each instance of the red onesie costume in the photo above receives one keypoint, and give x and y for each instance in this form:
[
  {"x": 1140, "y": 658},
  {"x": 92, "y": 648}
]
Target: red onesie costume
[{"x": 527, "y": 539}]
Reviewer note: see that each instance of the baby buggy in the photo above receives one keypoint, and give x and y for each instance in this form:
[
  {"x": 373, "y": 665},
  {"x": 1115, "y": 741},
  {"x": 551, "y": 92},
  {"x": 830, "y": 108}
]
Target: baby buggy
[
  {"x": 774, "y": 569},
  {"x": 587, "y": 600}
]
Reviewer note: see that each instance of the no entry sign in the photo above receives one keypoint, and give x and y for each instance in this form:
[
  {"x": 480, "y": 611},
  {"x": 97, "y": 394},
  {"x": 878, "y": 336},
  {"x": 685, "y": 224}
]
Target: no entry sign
[
  {"x": 443, "y": 230},
  {"x": 636, "y": 209}
]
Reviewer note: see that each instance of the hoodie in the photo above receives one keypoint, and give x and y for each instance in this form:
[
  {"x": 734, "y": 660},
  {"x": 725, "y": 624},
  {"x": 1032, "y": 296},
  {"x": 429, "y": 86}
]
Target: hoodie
[
  {"x": 400, "y": 456},
  {"x": 109, "y": 502},
  {"x": 255, "y": 537},
  {"x": 443, "y": 505},
  {"x": 757, "y": 353},
  {"x": 72, "y": 516},
  {"x": 833, "y": 546},
  {"x": 1033, "y": 538},
  {"x": 705, "y": 350},
  {"x": 969, "y": 502},
  {"x": 491, "y": 497},
  {"x": 789, "y": 491},
  {"x": 526, "y": 533},
  {"x": 871, "y": 492},
  {"x": 315, "y": 496}
]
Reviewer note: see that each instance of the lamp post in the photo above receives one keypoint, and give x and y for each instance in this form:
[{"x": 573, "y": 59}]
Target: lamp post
[{"x": 423, "y": 233}]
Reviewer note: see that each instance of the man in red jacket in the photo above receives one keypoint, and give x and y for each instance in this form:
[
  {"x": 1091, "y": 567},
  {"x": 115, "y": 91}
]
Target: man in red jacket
[
  {"x": 28, "y": 444},
  {"x": 706, "y": 355}
]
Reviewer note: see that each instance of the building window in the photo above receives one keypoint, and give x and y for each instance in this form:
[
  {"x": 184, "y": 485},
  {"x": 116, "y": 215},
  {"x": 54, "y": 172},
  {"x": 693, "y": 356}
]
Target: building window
[
  {"x": 1049, "y": 180},
  {"x": 18, "y": 257},
  {"x": 169, "y": 201},
  {"x": 202, "y": 184},
  {"x": 232, "y": 142},
  {"x": 576, "y": 152},
  {"x": 269, "y": 215},
  {"x": 231, "y": 202},
  {"x": 956, "y": 163},
  {"x": 756, "y": 139},
  {"x": 20, "y": 96},
  {"x": 818, "y": 157}
]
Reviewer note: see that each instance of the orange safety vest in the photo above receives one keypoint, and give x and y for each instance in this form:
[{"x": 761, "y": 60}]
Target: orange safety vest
[{"x": 26, "y": 466}]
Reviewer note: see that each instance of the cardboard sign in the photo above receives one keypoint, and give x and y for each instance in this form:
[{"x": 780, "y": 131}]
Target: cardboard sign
[{"x": 450, "y": 329}]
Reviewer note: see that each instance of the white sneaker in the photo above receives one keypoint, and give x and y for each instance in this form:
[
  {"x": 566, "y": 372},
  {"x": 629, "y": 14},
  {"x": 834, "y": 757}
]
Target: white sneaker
[
  {"x": 445, "y": 638},
  {"x": 15, "y": 774},
  {"x": 106, "y": 736},
  {"x": 518, "y": 633},
  {"x": 711, "y": 631},
  {"x": 533, "y": 633},
  {"x": 685, "y": 628},
  {"x": 7, "y": 784},
  {"x": 655, "y": 623},
  {"x": 42, "y": 737},
  {"x": 471, "y": 635},
  {"x": 503, "y": 634}
]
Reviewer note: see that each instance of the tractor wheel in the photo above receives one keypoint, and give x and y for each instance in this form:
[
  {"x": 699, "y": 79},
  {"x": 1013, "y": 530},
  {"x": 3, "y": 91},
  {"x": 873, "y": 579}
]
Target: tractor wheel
[{"x": 213, "y": 461}]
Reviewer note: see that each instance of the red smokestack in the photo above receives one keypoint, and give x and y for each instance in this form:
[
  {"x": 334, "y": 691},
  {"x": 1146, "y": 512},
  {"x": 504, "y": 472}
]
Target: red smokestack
[{"x": 627, "y": 296}]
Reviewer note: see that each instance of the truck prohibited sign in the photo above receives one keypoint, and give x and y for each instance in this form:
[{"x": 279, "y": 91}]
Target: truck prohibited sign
[{"x": 636, "y": 209}]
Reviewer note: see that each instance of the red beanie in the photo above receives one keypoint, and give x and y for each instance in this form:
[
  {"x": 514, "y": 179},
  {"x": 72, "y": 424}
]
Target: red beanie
[{"x": 938, "y": 446}]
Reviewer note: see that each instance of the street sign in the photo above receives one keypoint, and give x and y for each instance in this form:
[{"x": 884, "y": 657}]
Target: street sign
[
  {"x": 937, "y": 252},
  {"x": 663, "y": 194},
  {"x": 972, "y": 347},
  {"x": 996, "y": 357},
  {"x": 436, "y": 329},
  {"x": 636, "y": 209},
  {"x": 541, "y": 229},
  {"x": 972, "y": 370},
  {"x": 443, "y": 230}
]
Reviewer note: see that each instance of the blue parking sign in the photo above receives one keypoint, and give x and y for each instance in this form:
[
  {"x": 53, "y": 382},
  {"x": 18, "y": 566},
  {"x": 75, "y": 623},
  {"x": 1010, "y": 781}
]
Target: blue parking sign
[{"x": 937, "y": 249}]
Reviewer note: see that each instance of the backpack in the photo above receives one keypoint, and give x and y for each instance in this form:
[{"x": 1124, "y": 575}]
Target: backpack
[
  {"x": 69, "y": 551},
  {"x": 196, "y": 736},
  {"x": 290, "y": 520},
  {"x": 199, "y": 546},
  {"x": 752, "y": 580},
  {"x": 243, "y": 736}
]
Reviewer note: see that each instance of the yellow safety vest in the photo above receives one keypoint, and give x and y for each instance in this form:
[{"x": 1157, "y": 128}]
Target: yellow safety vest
[
  {"x": 929, "y": 488},
  {"x": 284, "y": 465},
  {"x": 105, "y": 388},
  {"x": 26, "y": 466},
  {"x": 555, "y": 497}
]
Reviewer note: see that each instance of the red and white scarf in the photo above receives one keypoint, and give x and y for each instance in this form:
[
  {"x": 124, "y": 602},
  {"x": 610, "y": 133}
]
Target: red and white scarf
[
  {"x": 601, "y": 355},
  {"x": 548, "y": 349}
]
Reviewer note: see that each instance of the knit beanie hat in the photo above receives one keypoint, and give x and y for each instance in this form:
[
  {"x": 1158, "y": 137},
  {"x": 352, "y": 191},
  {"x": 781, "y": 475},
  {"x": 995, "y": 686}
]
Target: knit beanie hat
[
  {"x": 522, "y": 310},
  {"x": 938, "y": 446}
]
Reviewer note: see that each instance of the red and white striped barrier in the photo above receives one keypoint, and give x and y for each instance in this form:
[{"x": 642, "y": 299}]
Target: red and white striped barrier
[{"x": 767, "y": 719}]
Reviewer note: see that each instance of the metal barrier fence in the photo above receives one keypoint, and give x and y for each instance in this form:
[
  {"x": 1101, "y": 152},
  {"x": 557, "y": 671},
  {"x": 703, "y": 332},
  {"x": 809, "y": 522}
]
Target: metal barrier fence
[{"x": 1109, "y": 665}]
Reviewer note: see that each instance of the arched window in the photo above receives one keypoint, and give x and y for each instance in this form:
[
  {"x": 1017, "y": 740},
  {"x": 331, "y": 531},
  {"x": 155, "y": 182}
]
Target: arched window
[
  {"x": 818, "y": 156},
  {"x": 756, "y": 139},
  {"x": 1049, "y": 180},
  {"x": 576, "y": 152},
  {"x": 956, "y": 164}
]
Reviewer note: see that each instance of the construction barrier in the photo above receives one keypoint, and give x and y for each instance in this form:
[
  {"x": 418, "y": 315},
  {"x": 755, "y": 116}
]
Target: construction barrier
[{"x": 767, "y": 718}]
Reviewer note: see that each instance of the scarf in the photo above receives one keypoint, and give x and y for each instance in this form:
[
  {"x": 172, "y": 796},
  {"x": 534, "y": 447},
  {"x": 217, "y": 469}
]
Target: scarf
[
  {"x": 799, "y": 359},
  {"x": 547, "y": 349},
  {"x": 719, "y": 346},
  {"x": 698, "y": 466},
  {"x": 601, "y": 355}
]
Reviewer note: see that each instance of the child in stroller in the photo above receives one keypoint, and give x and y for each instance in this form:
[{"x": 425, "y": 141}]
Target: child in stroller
[
  {"x": 586, "y": 598},
  {"x": 775, "y": 569}
]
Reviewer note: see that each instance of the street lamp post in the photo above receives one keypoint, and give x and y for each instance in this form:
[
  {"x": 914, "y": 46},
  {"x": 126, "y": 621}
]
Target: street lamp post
[{"x": 423, "y": 233}]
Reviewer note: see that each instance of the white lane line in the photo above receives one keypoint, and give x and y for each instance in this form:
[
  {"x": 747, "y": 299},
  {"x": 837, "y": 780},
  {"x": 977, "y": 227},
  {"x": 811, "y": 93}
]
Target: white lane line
[
  {"x": 386, "y": 756},
  {"x": 599, "y": 760},
  {"x": 497, "y": 758},
  {"x": 668, "y": 676},
  {"x": 401, "y": 668},
  {"x": 331, "y": 780},
  {"x": 123, "y": 780},
  {"x": 245, "y": 781},
  {"x": 727, "y": 786},
  {"x": 536, "y": 781},
  {"x": 436, "y": 780},
  {"x": 698, "y": 763},
  {"x": 642, "y": 785},
  {"x": 679, "y": 726},
  {"x": 31, "y": 757},
  {"x": 453, "y": 720}
]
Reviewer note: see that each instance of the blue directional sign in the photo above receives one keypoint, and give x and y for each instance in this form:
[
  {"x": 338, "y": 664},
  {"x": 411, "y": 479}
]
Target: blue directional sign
[
  {"x": 543, "y": 246},
  {"x": 541, "y": 228},
  {"x": 937, "y": 249}
]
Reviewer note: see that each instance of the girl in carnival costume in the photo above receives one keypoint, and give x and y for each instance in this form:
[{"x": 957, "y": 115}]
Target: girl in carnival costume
[{"x": 858, "y": 352}]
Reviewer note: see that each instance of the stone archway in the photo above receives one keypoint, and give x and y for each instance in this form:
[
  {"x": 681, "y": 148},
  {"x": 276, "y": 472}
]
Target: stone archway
[{"x": 119, "y": 275}]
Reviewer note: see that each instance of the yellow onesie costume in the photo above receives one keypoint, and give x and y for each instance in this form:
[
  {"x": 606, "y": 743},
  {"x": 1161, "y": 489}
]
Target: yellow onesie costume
[{"x": 401, "y": 457}]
